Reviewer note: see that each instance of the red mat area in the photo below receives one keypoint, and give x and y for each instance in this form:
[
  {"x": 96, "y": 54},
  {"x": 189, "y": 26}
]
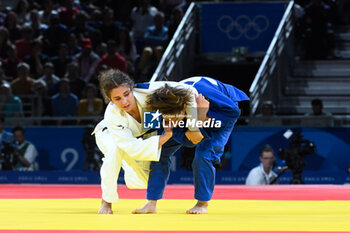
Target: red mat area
[
  {"x": 87, "y": 231},
  {"x": 224, "y": 192}
]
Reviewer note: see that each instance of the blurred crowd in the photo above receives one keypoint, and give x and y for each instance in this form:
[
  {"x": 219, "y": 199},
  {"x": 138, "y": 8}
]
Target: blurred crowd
[
  {"x": 315, "y": 22},
  {"x": 53, "y": 50}
]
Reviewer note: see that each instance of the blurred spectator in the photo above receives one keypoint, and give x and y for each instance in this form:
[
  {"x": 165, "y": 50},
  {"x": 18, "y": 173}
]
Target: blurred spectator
[
  {"x": 3, "y": 77},
  {"x": 23, "y": 84},
  {"x": 4, "y": 42},
  {"x": 61, "y": 61},
  {"x": 267, "y": 108},
  {"x": 36, "y": 59},
  {"x": 87, "y": 61},
  {"x": 77, "y": 84},
  {"x": 156, "y": 39},
  {"x": 11, "y": 23},
  {"x": 73, "y": 46},
  {"x": 90, "y": 105},
  {"x": 101, "y": 49},
  {"x": 113, "y": 59},
  {"x": 87, "y": 6},
  {"x": 3, "y": 13},
  {"x": 27, "y": 151},
  {"x": 22, "y": 11},
  {"x": 23, "y": 45},
  {"x": 142, "y": 17},
  {"x": 175, "y": 19},
  {"x": 122, "y": 10},
  {"x": 10, "y": 105},
  {"x": 10, "y": 63},
  {"x": 317, "y": 108},
  {"x": 167, "y": 6},
  {"x": 319, "y": 118},
  {"x": 266, "y": 117},
  {"x": 42, "y": 101},
  {"x": 5, "y": 136},
  {"x": 36, "y": 25},
  {"x": 318, "y": 26},
  {"x": 109, "y": 28},
  {"x": 45, "y": 14},
  {"x": 95, "y": 19},
  {"x": 67, "y": 13},
  {"x": 55, "y": 35},
  {"x": 23, "y": 87},
  {"x": 49, "y": 79},
  {"x": 93, "y": 156},
  {"x": 263, "y": 174},
  {"x": 83, "y": 30},
  {"x": 64, "y": 103},
  {"x": 127, "y": 49}
]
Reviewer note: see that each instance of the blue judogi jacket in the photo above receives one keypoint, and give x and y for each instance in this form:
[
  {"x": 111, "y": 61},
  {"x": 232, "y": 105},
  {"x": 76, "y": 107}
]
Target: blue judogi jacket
[
  {"x": 223, "y": 106},
  {"x": 223, "y": 97}
]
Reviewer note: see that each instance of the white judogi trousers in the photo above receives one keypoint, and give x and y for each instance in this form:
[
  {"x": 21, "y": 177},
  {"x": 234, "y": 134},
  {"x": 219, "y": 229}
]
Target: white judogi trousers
[{"x": 135, "y": 172}]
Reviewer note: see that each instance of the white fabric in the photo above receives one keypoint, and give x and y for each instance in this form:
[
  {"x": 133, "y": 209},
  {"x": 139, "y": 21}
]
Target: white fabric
[
  {"x": 136, "y": 172},
  {"x": 122, "y": 148},
  {"x": 256, "y": 177}
]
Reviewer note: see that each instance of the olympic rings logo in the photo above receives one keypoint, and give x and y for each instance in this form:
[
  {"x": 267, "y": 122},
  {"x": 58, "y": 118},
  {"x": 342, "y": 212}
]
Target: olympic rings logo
[{"x": 243, "y": 26}]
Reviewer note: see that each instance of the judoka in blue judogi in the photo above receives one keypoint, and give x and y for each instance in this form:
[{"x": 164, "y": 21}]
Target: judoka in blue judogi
[{"x": 223, "y": 107}]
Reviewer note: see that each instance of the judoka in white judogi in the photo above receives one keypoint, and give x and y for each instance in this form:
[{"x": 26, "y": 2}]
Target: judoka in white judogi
[{"x": 126, "y": 144}]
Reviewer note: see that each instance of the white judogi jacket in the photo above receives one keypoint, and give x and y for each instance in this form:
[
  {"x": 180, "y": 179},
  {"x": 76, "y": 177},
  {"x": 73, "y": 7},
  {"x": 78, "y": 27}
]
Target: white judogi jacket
[{"x": 124, "y": 143}]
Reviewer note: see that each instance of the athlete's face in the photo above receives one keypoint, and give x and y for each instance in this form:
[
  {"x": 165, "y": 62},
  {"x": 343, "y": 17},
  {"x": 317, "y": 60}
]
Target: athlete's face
[{"x": 123, "y": 98}]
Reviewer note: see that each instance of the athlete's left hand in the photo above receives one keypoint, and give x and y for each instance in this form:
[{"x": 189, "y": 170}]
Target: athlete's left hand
[{"x": 194, "y": 136}]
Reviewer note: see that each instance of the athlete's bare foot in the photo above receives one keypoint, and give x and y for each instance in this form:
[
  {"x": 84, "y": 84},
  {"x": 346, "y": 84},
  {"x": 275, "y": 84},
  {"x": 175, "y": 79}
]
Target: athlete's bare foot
[
  {"x": 106, "y": 208},
  {"x": 200, "y": 208},
  {"x": 149, "y": 208}
]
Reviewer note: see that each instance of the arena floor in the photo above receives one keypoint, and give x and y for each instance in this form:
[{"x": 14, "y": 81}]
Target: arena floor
[{"x": 73, "y": 208}]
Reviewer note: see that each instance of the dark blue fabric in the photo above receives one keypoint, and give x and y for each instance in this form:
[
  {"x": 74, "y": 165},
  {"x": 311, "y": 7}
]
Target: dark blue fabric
[
  {"x": 141, "y": 85},
  {"x": 160, "y": 171},
  {"x": 223, "y": 100}
]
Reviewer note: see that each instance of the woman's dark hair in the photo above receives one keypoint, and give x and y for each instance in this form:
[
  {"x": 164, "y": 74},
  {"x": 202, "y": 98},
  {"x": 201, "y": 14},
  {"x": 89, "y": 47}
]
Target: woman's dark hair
[
  {"x": 111, "y": 79},
  {"x": 168, "y": 100}
]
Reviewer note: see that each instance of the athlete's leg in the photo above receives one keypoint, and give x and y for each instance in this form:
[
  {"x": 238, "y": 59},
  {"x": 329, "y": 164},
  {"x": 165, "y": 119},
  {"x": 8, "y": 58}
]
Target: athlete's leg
[
  {"x": 203, "y": 168},
  {"x": 204, "y": 180},
  {"x": 109, "y": 171},
  {"x": 158, "y": 177}
]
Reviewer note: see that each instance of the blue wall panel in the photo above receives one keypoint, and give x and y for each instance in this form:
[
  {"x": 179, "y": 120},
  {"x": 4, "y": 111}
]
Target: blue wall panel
[
  {"x": 61, "y": 156},
  {"x": 228, "y": 25}
]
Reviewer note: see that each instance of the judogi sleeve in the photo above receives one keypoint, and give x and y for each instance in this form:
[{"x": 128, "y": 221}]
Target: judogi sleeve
[
  {"x": 224, "y": 99},
  {"x": 137, "y": 148}
]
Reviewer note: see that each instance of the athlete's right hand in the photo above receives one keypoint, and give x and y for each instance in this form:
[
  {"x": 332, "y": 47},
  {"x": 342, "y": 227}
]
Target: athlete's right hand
[{"x": 202, "y": 107}]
